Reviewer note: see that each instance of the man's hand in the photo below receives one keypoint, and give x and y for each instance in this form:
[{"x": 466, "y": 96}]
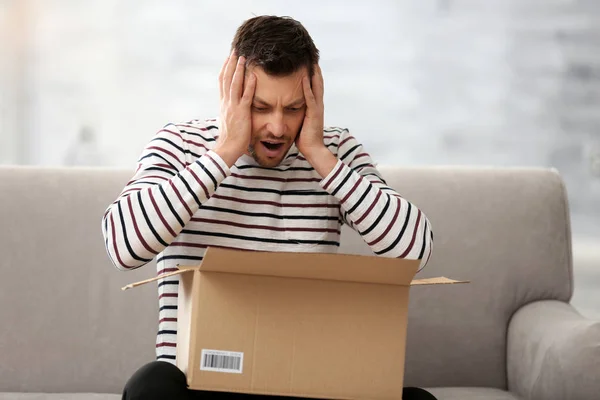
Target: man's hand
[
  {"x": 235, "y": 118},
  {"x": 310, "y": 139}
]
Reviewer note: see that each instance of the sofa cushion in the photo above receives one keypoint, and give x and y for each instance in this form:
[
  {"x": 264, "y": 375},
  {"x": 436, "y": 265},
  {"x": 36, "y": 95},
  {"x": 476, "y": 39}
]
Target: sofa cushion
[
  {"x": 471, "y": 394},
  {"x": 68, "y": 323}
]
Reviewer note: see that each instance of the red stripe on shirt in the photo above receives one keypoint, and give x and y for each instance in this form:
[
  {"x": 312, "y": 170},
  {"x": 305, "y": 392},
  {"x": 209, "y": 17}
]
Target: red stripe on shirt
[
  {"x": 171, "y": 132},
  {"x": 365, "y": 166},
  {"x": 358, "y": 221},
  {"x": 136, "y": 228},
  {"x": 375, "y": 181},
  {"x": 171, "y": 231},
  {"x": 360, "y": 156},
  {"x": 165, "y": 344},
  {"x": 112, "y": 224},
  {"x": 193, "y": 126},
  {"x": 264, "y": 227},
  {"x": 167, "y": 166},
  {"x": 388, "y": 227},
  {"x": 274, "y": 179},
  {"x": 337, "y": 172},
  {"x": 166, "y": 270},
  {"x": 345, "y": 140},
  {"x": 146, "y": 177},
  {"x": 204, "y": 246},
  {"x": 351, "y": 191},
  {"x": 184, "y": 140},
  {"x": 166, "y": 152},
  {"x": 127, "y": 191},
  {"x": 217, "y": 164},
  {"x": 412, "y": 242},
  {"x": 273, "y": 203},
  {"x": 181, "y": 198},
  {"x": 200, "y": 182}
]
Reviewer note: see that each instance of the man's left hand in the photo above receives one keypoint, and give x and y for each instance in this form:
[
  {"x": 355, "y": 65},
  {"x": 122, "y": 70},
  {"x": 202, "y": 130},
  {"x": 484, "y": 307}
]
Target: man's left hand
[{"x": 310, "y": 139}]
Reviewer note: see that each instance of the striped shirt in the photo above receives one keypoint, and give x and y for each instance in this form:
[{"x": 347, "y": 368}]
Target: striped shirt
[{"x": 183, "y": 198}]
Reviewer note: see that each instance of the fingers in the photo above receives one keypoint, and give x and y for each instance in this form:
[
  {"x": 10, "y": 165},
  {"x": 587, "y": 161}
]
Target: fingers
[
  {"x": 249, "y": 89},
  {"x": 228, "y": 74},
  {"x": 221, "y": 74},
  {"x": 237, "y": 83},
  {"x": 318, "y": 84},
  {"x": 308, "y": 93}
]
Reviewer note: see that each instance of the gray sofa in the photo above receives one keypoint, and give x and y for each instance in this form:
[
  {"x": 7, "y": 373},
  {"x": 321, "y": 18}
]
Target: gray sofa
[{"x": 69, "y": 332}]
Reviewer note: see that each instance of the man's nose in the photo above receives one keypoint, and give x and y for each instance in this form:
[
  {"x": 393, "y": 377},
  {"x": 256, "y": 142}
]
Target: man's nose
[{"x": 277, "y": 124}]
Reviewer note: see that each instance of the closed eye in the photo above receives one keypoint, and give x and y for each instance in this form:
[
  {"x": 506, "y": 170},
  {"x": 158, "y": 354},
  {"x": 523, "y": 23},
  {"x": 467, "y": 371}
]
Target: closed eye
[{"x": 260, "y": 108}]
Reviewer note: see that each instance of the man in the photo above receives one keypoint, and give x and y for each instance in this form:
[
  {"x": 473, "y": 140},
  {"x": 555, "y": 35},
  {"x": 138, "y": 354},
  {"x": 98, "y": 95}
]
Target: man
[{"x": 265, "y": 176}]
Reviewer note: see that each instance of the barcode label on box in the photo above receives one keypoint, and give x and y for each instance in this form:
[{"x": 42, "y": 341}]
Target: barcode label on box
[{"x": 222, "y": 361}]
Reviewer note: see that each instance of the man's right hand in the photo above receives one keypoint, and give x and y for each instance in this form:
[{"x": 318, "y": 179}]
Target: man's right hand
[{"x": 235, "y": 118}]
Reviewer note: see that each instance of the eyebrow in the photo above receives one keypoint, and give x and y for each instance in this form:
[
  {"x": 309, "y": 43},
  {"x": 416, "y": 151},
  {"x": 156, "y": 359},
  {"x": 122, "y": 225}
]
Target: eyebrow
[{"x": 295, "y": 103}]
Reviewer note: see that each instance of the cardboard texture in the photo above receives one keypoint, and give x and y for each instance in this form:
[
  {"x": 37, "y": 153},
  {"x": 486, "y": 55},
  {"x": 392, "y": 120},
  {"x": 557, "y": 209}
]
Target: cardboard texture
[{"x": 306, "y": 325}]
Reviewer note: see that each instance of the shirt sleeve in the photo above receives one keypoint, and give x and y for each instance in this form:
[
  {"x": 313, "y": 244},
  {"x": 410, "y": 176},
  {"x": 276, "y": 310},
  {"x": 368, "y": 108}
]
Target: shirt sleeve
[
  {"x": 168, "y": 187},
  {"x": 391, "y": 225}
]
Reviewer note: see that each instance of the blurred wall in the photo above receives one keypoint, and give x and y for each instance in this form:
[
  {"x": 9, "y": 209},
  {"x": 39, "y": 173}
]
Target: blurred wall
[{"x": 431, "y": 82}]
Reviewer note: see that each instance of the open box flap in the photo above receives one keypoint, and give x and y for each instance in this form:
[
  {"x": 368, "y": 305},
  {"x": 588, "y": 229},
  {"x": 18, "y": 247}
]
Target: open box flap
[
  {"x": 323, "y": 266},
  {"x": 180, "y": 270},
  {"x": 440, "y": 280}
]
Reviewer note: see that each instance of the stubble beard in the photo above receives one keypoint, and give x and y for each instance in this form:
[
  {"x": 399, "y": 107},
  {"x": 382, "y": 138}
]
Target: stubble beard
[{"x": 262, "y": 162}]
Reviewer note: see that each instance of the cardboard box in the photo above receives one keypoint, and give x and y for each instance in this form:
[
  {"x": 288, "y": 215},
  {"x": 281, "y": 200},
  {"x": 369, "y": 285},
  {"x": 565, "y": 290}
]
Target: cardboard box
[{"x": 295, "y": 324}]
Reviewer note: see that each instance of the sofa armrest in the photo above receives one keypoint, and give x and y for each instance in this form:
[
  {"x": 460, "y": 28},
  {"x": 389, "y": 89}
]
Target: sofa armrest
[{"x": 553, "y": 353}]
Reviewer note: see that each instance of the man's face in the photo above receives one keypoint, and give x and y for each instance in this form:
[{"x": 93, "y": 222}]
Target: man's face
[{"x": 278, "y": 110}]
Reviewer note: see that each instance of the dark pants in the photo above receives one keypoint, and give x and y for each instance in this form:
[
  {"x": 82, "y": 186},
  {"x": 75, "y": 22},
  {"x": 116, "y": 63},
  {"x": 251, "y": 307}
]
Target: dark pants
[{"x": 160, "y": 380}]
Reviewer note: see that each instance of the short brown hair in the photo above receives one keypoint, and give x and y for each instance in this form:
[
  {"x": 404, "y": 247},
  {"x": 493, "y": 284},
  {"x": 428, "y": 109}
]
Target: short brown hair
[{"x": 279, "y": 45}]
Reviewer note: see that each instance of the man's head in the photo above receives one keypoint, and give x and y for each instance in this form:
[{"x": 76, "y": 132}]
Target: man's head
[{"x": 280, "y": 52}]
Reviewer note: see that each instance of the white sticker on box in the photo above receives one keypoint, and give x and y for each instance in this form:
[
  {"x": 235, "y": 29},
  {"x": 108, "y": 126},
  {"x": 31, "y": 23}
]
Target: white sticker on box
[{"x": 222, "y": 361}]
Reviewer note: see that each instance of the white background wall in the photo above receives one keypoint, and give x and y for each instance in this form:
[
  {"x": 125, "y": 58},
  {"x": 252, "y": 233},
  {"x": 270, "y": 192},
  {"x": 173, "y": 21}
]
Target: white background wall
[{"x": 487, "y": 82}]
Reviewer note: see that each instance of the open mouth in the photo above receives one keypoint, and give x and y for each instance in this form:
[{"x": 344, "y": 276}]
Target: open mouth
[{"x": 272, "y": 146}]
